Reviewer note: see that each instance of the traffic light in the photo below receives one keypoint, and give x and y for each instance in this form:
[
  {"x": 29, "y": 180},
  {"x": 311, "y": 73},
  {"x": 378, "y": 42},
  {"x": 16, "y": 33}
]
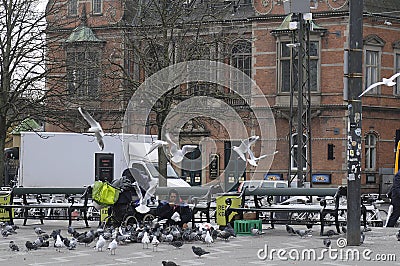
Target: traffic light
[{"x": 104, "y": 167}]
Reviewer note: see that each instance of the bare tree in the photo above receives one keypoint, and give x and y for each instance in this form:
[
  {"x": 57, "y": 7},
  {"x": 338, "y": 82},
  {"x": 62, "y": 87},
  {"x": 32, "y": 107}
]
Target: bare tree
[{"x": 161, "y": 33}]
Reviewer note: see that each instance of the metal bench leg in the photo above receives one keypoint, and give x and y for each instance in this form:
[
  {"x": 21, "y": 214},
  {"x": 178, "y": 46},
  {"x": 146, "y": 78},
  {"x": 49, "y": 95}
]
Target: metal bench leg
[
  {"x": 272, "y": 219},
  {"x": 321, "y": 220},
  {"x": 86, "y": 219}
]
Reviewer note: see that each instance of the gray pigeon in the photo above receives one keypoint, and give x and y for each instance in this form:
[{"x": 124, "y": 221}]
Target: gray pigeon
[
  {"x": 39, "y": 231},
  {"x": 290, "y": 230},
  {"x": 331, "y": 233},
  {"x": 398, "y": 235},
  {"x": 29, "y": 245},
  {"x": 303, "y": 233},
  {"x": 327, "y": 242},
  {"x": 177, "y": 243},
  {"x": 169, "y": 263},
  {"x": 13, "y": 246},
  {"x": 199, "y": 251}
]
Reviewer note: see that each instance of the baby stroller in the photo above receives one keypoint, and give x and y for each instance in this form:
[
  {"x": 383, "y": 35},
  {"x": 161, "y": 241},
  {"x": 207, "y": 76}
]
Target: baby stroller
[{"x": 123, "y": 212}]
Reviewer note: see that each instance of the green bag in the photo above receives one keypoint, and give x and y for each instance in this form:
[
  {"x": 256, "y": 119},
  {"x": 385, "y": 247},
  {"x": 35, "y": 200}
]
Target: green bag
[{"x": 104, "y": 194}]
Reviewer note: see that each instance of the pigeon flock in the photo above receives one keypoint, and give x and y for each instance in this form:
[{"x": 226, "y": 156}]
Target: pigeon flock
[{"x": 109, "y": 239}]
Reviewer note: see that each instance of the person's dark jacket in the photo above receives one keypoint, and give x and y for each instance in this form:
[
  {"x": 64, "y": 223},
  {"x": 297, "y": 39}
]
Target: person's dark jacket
[
  {"x": 165, "y": 211},
  {"x": 395, "y": 197}
]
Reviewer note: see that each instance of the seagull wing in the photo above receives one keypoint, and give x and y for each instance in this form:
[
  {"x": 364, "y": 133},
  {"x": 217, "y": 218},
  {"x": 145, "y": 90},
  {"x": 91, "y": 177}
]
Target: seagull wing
[
  {"x": 155, "y": 145},
  {"x": 395, "y": 76},
  {"x": 371, "y": 87},
  {"x": 173, "y": 148},
  {"x": 93, "y": 123},
  {"x": 188, "y": 148},
  {"x": 252, "y": 160}
]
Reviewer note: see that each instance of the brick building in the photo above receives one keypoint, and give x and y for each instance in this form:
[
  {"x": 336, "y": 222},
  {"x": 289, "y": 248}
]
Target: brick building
[{"x": 92, "y": 43}]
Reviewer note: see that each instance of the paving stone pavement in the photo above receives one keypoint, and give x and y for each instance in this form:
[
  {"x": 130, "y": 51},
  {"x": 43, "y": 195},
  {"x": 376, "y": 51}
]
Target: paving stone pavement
[{"x": 242, "y": 250}]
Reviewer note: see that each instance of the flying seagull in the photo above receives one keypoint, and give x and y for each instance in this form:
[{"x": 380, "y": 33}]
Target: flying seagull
[
  {"x": 155, "y": 145},
  {"x": 253, "y": 160},
  {"x": 245, "y": 146},
  {"x": 177, "y": 154},
  {"x": 94, "y": 127},
  {"x": 142, "y": 208},
  {"x": 388, "y": 82}
]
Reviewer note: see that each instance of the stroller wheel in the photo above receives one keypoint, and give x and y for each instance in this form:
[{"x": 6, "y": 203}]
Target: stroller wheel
[
  {"x": 131, "y": 220},
  {"x": 148, "y": 218}
]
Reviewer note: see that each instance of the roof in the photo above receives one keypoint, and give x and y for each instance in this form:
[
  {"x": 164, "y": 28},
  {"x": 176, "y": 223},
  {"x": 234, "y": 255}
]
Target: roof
[
  {"x": 28, "y": 124},
  {"x": 82, "y": 33},
  {"x": 285, "y": 25}
]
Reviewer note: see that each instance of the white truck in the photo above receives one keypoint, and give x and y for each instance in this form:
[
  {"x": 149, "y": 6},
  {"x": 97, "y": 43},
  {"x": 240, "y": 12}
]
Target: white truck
[{"x": 57, "y": 159}]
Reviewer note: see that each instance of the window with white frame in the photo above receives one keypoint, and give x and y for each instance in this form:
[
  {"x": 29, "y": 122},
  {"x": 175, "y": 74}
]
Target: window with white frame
[
  {"x": 241, "y": 59},
  {"x": 72, "y": 7},
  {"x": 370, "y": 152},
  {"x": 295, "y": 151},
  {"x": 97, "y": 6},
  {"x": 285, "y": 68},
  {"x": 397, "y": 70},
  {"x": 371, "y": 69},
  {"x": 373, "y": 45},
  {"x": 83, "y": 72}
]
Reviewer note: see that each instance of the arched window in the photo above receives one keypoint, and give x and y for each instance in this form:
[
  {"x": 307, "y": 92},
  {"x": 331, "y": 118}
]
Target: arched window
[
  {"x": 241, "y": 59},
  {"x": 370, "y": 152}
]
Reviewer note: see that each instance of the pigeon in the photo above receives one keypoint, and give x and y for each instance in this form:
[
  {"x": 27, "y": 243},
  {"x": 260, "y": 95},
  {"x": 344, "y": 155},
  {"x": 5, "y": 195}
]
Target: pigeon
[
  {"x": 230, "y": 230},
  {"x": 327, "y": 242},
  {"x": 146, "y": 240},
  {"x": 29, "y": 245},
  {"x": 178, "y": 154},
  {"x": 199, "y": 251},
  {"x": 253, "y": 160},
  {"x": 290, "y": 230},
  {"x": 256, "y": 232},
  {"x": 208, "y": 239},
  {"x": 177, "y": 243},
  {"x": 330, "y": 233},
  {"x": 94, "y": 127},
  {"x": 225, "y": 235},
  {"x": 169, "y": 263},
  {"x": 58, "y": 243},
  {"x": 13, "y": 246},
  {"x": 344, "y": 230},
  {"x": 100, "y": 243},
  {"x": 245, "y": 146},
  {"x": 176, "y": 217},
  {"x": 5, "y": 233},
  {"x": 39, "y": 231},
  {"x": 112, "y": 246},
  {"x": 155, "y": 243},
  {"x": 388, "y": 82},
  {"x": 303, "y": 233},
  {"x": 398, "y": 235},
  {"x": 72, "y": 243},
  {"x": 155, "y": 145}
]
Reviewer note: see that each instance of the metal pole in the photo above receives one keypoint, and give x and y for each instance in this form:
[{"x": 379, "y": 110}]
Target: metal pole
[{"x": 354, "y": 123}]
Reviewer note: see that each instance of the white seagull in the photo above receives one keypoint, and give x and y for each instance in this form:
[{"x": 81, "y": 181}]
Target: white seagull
[
  {"x": 388, "y": 82},
  {"x": 142, "y": 208},
  {"x": 100, "y": 243},
  {"x": 155, "y": 145},
  {"x": 245, "y": 146},
  {"x": 253, "y": 160},
  {"x": 113, "y": 246},
  {"x": 94, "y": 127},
  {"x": 177, "y": 154}
]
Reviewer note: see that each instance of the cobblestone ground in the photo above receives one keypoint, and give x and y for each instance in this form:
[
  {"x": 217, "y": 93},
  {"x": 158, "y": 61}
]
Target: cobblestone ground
[{"x": 379, "y": 244}]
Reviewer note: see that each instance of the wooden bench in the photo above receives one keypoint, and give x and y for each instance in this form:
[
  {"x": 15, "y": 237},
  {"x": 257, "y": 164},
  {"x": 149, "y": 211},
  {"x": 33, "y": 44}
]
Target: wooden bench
[
  {"x": 76, "y": 199},
  {"x": 323, "y": 209}
]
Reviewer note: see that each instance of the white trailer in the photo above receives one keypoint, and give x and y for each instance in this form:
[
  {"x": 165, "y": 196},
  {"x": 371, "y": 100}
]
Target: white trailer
[{"x": 58, "y": 159}]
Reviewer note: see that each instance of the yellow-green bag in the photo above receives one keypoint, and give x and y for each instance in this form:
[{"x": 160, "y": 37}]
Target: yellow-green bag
[{"x": 104, "y": 194}]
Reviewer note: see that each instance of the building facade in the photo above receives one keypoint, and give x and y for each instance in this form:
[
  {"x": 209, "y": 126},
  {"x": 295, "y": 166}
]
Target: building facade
[{"x": 102, "y": 70}]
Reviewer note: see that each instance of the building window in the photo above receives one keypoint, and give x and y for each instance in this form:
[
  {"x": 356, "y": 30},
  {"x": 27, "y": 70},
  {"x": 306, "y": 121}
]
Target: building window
[
  {"x": 97, "y": 6},
  {"x": 241, "y": 59},
  {"x": 397, "y": 70},
  {"x": 295, "y": 150},
  {"x": 286, "y": 57},
  {"x": 73, "y": 7},
  {"x": 371, "y": 69},
  {"x": 83, "y": 72},
  {"x": 370, "y": 152}
]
